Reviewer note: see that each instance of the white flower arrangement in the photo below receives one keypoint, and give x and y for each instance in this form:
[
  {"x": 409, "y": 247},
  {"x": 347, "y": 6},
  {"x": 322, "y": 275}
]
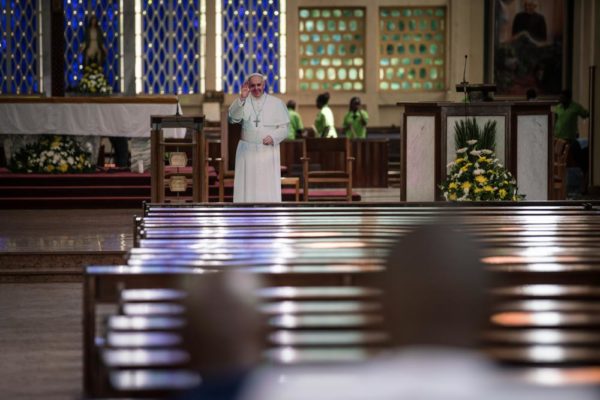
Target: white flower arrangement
[{"x": 52, "y": 154}]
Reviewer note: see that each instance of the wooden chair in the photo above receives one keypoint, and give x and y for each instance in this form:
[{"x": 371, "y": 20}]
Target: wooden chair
[
  {"x": 212, "y": 133},
  {"x": 230, "y": 136},
  {"x": 323, "y": 150},
  {"x": 559, "y": 168}
]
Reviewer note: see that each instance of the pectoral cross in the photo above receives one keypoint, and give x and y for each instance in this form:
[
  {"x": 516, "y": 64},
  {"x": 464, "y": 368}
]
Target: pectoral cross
[{"x": 256, "y": 121}]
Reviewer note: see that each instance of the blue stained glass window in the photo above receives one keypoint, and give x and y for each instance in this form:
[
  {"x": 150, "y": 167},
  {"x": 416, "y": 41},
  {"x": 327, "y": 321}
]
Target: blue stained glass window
[
  {"x": 20, "y": 56},
  {"x": 77, "y": 15},
  {"x": 250, "y": 42},
  {"x": 171, "y": 46}
]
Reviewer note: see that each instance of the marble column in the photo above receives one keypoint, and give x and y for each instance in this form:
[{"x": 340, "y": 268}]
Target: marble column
[
  {"x": 420, "y": 158},
  {"x": 532, "y": 156}
]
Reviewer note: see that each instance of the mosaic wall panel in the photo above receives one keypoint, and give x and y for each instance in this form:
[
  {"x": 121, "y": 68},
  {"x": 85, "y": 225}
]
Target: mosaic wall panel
[
  {"x": 412, "y": 54},
  {"x": 331, "y": 49},
  {"x": 77, "y": 15},
  {"x": 171, "y": 46},
  {"x": 20, "y": 53},
  {"x": 251, "y": 42}
]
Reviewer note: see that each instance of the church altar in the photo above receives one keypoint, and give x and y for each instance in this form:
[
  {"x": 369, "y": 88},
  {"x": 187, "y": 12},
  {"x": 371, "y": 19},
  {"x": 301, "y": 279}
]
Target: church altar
[
  {"x": 87, "y": 117},
  {"x": 523, "y": 144}
]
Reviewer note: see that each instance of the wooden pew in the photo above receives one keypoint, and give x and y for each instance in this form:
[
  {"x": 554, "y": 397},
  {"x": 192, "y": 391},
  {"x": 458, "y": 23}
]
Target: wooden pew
[
  {"x": 148, "y": 347},
  {"x": 524, "y": 244},
  {"x": 529, "y": 207},
  {"x": 145, "y": 381},
  {"x": 102, "y": 284},
  {"x": 151, "y": 347},
  {"x": 371, "y": 169}
]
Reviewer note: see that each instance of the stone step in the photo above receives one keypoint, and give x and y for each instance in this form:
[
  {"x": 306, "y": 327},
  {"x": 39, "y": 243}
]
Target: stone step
[{"x": 42, "y": 277}]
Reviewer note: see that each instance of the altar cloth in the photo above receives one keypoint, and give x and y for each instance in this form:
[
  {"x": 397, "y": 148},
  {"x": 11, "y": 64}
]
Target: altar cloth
[{"x": 89, "y": 116}]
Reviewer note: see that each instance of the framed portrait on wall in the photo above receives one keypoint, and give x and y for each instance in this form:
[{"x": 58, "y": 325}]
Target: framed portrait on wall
[{"x": 528, "y": 46}]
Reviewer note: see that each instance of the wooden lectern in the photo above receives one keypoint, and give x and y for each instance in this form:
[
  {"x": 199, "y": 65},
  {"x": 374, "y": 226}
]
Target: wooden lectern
[
  {"x": 199, "y": 178},
  {"x": 477, "y": 91},
  {"x": 523, "y": 144}
]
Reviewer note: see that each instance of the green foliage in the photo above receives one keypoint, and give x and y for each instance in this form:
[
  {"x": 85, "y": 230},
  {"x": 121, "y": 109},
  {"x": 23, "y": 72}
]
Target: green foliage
[
  {"x": 467, "y": 130},
  {"x": 52, "y": 154},
  {"x": 487, "y": 140}
]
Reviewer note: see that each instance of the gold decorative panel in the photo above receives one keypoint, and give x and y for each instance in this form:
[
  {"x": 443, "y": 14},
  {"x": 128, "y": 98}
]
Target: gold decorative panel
[
  {"x": 331, "y": 48},
  {"x": 412, "y": 54}
]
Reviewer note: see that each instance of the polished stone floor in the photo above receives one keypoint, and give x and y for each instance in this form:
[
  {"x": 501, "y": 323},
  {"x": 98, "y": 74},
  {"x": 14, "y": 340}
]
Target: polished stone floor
[
  {"x": 66, "y": 230},
  {"x": 40, "y": 341},
  {"x": 93, "y": 230},
  {"x": 40, "y": 323}
]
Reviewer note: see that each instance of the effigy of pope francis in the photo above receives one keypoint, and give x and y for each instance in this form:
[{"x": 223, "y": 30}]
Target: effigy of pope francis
[{"x": 265, "y": 121}]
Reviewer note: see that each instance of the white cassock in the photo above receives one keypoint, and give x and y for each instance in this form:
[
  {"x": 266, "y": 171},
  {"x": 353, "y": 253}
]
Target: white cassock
[{"x": 257, "y": 166}]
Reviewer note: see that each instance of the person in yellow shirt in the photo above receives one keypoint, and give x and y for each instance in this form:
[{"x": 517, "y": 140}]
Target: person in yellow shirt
[
  {"x": 324, "y": 122},
  {"x": 355, "y": 121},
  {"x": 296, "y": 127}
]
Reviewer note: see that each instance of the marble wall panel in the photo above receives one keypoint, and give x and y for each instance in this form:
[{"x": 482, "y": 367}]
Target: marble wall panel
[
  {"x": 420, "y": 158},
  {"x": 532, "y": 156}
]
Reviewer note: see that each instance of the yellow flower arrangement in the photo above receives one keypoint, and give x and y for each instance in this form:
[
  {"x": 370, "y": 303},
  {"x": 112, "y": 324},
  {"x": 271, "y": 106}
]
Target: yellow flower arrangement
[
  {"x": 476, "y": 175},
  {"x": 93, "y": 81},
  {"x": 481, "y": 179}
]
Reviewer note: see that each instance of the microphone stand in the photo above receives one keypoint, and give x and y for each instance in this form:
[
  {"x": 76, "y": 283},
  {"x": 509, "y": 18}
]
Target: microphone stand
[{"x": 464, "y": 84}]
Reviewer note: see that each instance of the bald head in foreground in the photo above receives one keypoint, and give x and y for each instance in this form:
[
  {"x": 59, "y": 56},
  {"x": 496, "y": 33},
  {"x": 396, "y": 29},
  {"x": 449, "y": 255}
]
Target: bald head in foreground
[{"x": 435, "y": 289}]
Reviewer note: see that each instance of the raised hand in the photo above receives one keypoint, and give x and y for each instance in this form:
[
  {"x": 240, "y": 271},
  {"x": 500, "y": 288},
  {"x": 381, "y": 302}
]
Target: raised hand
[{"x": 245, "y": 90}]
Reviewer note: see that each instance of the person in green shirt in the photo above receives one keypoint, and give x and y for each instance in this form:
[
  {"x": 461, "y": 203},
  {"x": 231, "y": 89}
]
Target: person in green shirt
[
  {"x": 296, "y": 127},
  {"x": 566, "y": 113},
  {"x": 324, "y": 122},
  {"x": 355, "y": 121},
  {"x": 566, "y": 116}
]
